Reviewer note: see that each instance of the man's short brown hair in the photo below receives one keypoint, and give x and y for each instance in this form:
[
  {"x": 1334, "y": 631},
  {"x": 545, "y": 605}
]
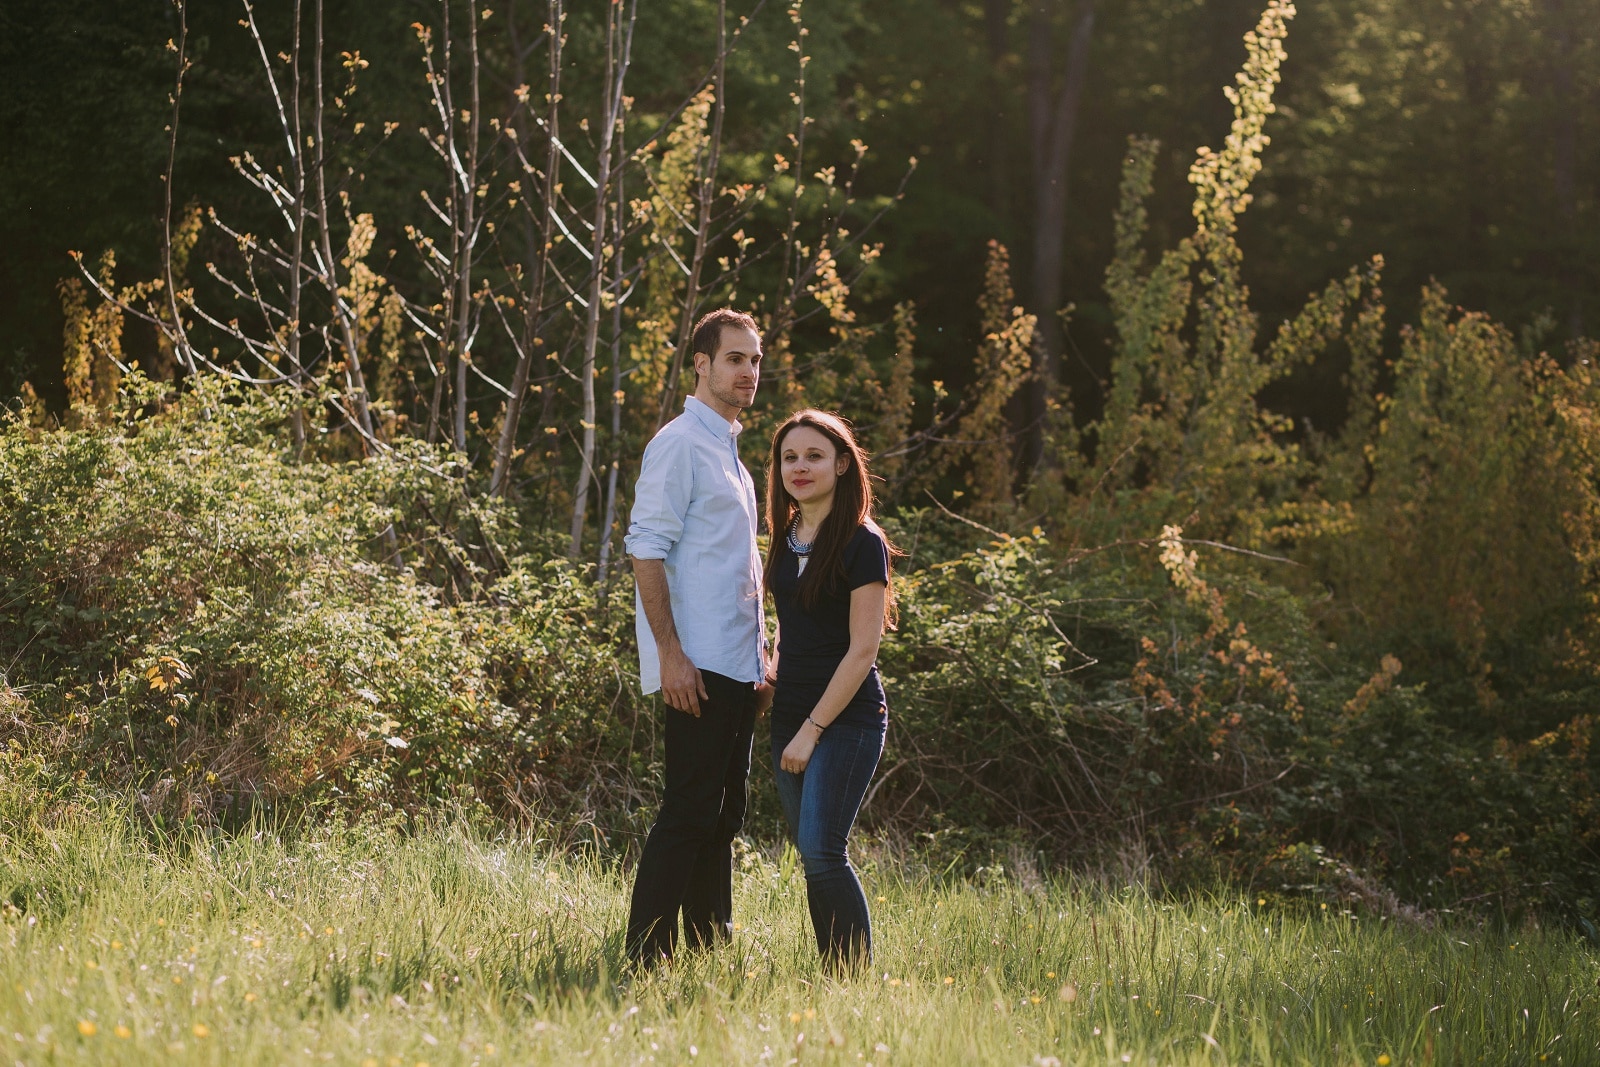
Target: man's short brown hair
[{"x": 708, "y": 331}]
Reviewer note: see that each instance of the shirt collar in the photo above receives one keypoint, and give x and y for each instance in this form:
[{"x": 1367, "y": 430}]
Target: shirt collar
[{"x": 710, "y": 419}]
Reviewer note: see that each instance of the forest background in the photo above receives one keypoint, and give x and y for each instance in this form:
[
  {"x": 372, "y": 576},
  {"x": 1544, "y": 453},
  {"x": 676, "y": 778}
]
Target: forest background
[{"x": 1257, "y": 543}]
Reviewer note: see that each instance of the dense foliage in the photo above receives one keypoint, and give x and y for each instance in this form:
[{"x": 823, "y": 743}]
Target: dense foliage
[
  {"x": 1457, "y": 139},
  {"x": 199, "y": 618},
  {"x": 320, "y": 564}
]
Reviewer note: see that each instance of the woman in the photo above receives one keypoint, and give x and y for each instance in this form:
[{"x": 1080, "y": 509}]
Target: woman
[{"x": 828, "y": 569}]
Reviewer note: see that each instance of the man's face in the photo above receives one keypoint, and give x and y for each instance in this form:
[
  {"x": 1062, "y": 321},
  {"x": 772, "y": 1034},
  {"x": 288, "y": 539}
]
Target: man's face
[{"x": 728, "y": 380}]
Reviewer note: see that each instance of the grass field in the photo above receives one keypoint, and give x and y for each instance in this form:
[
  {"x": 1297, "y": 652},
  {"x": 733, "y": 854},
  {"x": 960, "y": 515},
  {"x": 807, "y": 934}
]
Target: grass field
[{"x": 366, "y": 947}]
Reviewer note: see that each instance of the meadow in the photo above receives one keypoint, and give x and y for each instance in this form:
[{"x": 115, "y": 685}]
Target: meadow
[{"x": 447, "y": 945}]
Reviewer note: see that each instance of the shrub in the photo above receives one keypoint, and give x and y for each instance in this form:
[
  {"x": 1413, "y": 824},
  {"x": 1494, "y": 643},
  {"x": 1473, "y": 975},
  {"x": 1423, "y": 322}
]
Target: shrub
[
  {"x": 197, "y": 616},
  {"x": 1134, "y": 700}
]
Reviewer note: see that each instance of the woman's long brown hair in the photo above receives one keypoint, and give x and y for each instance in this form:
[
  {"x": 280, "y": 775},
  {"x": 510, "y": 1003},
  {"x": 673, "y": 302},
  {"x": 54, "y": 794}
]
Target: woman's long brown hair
[{"x": 852, "y": 507}]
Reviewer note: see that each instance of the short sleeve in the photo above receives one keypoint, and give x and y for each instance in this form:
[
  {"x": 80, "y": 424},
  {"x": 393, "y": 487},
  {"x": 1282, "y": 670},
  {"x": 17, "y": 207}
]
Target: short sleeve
[
  {"x": 661, "y": 498},
  {"x": 866, "y": 558}
]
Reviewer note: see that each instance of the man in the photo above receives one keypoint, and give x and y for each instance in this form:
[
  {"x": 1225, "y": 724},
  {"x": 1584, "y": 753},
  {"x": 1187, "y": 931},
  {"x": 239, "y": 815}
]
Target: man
[{"x": 701, "y": 640}]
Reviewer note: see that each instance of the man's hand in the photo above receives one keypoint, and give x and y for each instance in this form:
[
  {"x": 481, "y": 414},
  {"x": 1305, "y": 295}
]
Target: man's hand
[
  {"x": 681, "y": 684},
  {"x": 764, "y": 693}
]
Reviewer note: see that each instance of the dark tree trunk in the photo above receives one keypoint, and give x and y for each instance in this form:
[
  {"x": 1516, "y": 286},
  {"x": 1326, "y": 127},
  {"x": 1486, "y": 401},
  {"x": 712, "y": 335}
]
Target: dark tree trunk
[
  {"x": 1564, "y": 107},
  {"x": 1054, "y": 101},
  {"x": 1474, "y": 136},
  {"x": 536, "y": 241},
  {"x": 996, "y": 14}
]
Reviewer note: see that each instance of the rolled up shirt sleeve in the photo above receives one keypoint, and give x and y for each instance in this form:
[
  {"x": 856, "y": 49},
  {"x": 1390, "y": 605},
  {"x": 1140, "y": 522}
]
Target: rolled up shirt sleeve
[{"x": 661, "y": 497}]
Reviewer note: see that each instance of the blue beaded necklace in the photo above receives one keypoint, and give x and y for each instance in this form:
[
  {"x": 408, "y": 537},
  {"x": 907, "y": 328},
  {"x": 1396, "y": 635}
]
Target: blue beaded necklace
[{"x": 801, "y": 549}]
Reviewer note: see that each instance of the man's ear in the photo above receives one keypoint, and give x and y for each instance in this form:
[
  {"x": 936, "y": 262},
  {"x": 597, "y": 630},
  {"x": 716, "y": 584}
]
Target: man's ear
[{"x": 702, "y": 363}]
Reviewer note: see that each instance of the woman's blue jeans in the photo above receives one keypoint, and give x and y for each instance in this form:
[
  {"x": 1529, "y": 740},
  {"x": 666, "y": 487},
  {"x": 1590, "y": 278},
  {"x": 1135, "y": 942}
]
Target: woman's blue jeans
[{"x": 820, "y": 805}]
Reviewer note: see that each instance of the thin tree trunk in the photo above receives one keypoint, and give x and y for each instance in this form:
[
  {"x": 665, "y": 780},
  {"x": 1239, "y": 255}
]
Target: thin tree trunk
[
  {"x": 615, "y": 459},
  {"x": 465, "y": 221},
  {"x": 450, "y": 365},
  {"x": 297, "y": 416},
  {"x": 436, "y": 402},
  {"x": 349, "y": 327},
  {"x": 616, "y": 72},
  {"x": 179, "y": 346}
]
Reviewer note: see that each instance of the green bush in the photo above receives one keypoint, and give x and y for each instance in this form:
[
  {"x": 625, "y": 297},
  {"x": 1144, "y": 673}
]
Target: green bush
[
  {"x": 1105, "y": 703},
  {"x": 193, "y": 614}
]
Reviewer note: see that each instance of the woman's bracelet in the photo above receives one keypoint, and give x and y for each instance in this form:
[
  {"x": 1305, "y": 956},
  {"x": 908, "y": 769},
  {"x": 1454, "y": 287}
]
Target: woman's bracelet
[{"x": 814, "y": 722}]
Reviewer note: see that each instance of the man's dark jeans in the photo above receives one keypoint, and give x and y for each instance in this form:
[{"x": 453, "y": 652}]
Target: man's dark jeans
[
  {"x": 688, "y": 857},
  {"x": 820, "y": 806}
]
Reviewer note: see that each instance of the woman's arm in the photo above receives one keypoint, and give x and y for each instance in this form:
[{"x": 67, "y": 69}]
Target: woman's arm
[
  {"x": 866, "y": 631},
  {"x": 767, "y": 688}
]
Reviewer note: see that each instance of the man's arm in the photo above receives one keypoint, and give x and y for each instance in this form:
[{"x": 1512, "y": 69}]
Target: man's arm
[
  {"x": 681, "y": 684},
  {"x": 660, "y": 503}
]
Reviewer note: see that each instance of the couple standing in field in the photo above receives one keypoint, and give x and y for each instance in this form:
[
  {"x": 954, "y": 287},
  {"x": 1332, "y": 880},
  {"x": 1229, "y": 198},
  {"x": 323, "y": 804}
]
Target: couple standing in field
[{"x": 702, "y": 642}]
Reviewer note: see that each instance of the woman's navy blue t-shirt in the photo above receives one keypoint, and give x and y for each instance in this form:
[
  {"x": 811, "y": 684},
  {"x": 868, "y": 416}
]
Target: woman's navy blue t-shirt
[{"x": 811, "y": 644}]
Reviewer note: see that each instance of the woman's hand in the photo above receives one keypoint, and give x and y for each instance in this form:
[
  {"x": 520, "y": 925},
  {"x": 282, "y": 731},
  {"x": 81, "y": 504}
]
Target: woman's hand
[
  {"x": 798, "y": 752},
  {"x": 764, "y": 693}
]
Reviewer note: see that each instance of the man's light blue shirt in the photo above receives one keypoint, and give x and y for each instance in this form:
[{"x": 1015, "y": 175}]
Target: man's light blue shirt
[{"x": 695, "y": 509}]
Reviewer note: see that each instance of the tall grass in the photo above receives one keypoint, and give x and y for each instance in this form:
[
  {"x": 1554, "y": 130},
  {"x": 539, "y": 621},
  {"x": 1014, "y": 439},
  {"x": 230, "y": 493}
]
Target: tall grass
[{"x": 363, "y": 945}]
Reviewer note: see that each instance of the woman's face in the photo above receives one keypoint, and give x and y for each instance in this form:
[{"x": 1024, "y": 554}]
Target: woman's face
[{"x": 810, "y": 465}]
